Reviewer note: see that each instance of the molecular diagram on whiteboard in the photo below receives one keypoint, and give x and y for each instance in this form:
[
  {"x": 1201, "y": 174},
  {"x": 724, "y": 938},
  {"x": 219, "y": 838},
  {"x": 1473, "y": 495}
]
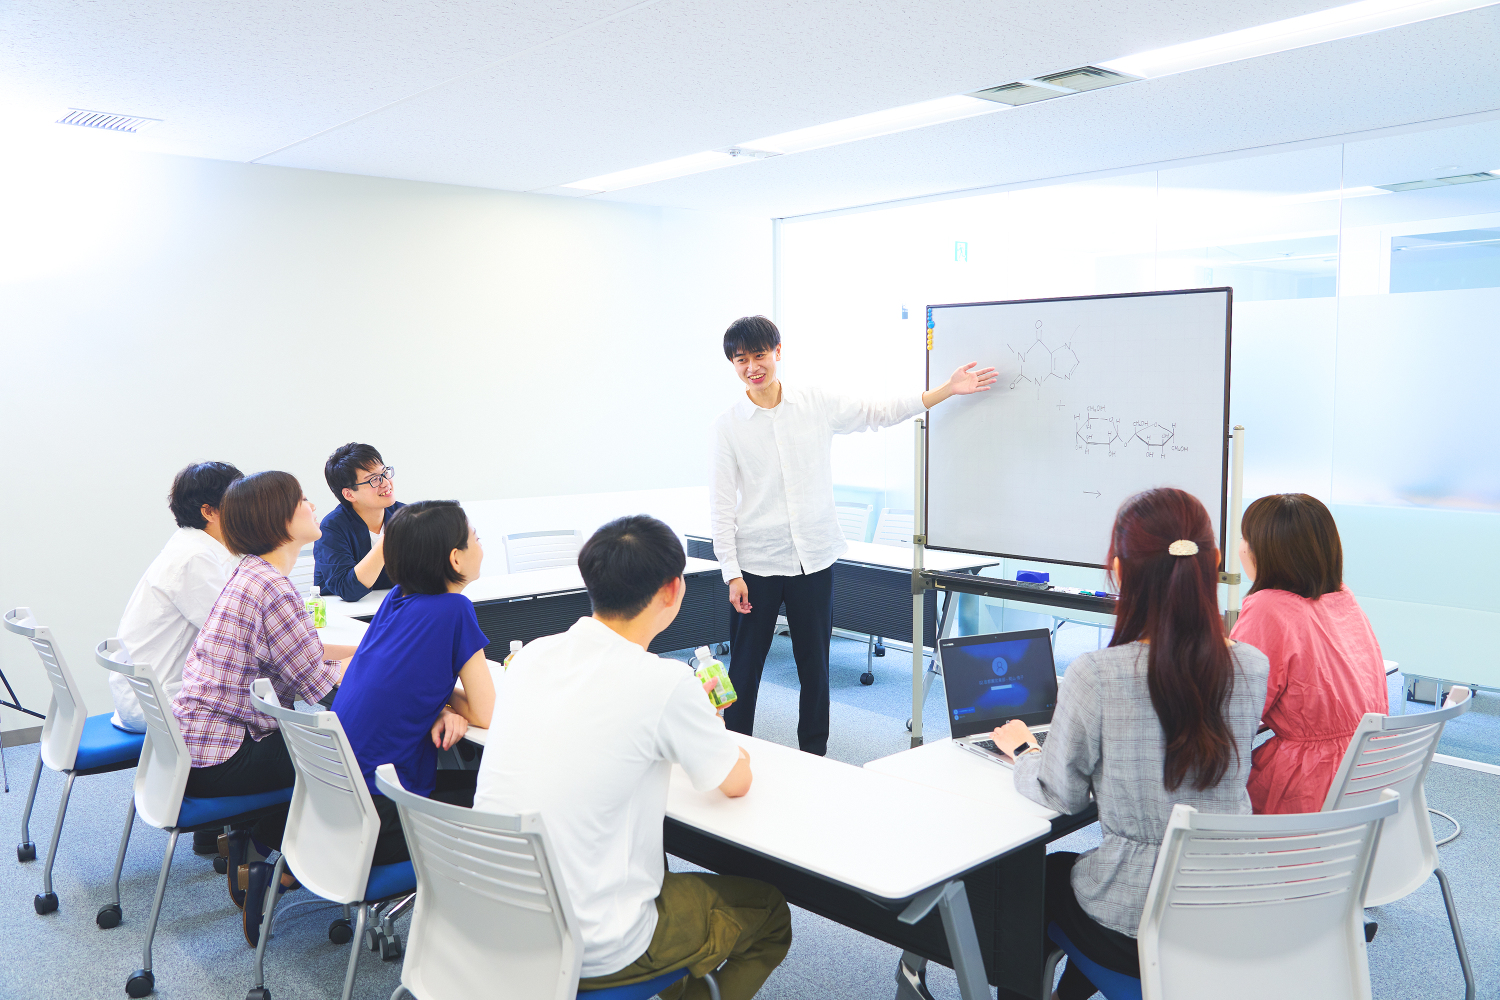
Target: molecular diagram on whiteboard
[
  {"x": 1040, "y": 362},
  {"x": 1092, "y": 431}
]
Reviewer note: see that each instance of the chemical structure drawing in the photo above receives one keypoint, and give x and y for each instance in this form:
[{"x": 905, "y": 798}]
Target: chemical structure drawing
[
  {"x": 1040, "y": 362},
  {"x": 1153, "y": 435},
  {"x": 1093, "y": 430}
]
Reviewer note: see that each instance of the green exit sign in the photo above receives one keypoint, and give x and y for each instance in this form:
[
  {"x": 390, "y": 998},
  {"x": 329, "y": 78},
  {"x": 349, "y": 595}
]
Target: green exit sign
[{"x": 961, "y": 252}]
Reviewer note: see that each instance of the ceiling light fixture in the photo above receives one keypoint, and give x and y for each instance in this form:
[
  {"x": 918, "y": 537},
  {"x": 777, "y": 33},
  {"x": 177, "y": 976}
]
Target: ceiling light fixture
[
  {"x": 1347, "y": 21},
  {"x": 1297, "y": 32}
]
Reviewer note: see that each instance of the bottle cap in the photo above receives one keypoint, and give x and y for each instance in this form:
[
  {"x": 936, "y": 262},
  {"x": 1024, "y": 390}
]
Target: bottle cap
[
  {"x": 515, "y": 644},
  {"x": 703, "y": 653},
  {"x": 315, "y": 591}
]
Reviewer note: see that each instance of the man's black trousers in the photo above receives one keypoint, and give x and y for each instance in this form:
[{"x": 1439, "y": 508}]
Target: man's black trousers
[{"x": 808, "y": 599}]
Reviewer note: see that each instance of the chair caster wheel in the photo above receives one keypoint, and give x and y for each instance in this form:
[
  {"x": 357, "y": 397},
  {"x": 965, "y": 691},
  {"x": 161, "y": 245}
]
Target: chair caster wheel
[
  {"x": 867, "y": 678},
  {"x": 908, "y": 725},
  {"x": 45, "y": 902},
  {"x": 258, "y": 993},
  {"x": 390, "y": 948},
  {"x": 221, "y": 865},
  {"x": 879, "y": 650},
  {"x": 108, "y": 917},
  {"x": 140, "y": 984},
  {"x": 26, "y": 851},
  {"x": 340, "y": 932}
]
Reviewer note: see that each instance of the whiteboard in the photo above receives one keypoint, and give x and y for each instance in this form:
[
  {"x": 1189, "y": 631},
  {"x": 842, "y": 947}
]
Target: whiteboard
[{"x": 1097, "y": 398}]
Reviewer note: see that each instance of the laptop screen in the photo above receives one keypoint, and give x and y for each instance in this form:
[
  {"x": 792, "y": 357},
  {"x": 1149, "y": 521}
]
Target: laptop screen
[{"x": 990, "y": 679}]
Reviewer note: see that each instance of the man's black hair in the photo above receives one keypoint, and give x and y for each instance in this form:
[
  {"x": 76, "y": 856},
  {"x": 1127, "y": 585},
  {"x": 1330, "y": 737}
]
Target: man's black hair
[
  {"x": 200, "y": 483},
  {"x": 749, "y": 334},
  {"x": 627, "y": 561},
  {"x": 419, "y": 540},
  {"x": 343, "y": 468}
]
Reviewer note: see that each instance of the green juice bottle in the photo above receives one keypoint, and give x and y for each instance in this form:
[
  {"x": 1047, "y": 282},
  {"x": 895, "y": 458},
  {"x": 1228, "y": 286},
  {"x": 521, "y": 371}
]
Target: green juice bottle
[
  {"x": 714, "y": 676},
  {"x": 317, "y": 606}
]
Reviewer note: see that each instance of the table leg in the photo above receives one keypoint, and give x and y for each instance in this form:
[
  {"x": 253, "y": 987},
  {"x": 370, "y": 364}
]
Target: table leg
[
  {"x": 911, "y": 978},
  {"x": 952, "y": 904}
]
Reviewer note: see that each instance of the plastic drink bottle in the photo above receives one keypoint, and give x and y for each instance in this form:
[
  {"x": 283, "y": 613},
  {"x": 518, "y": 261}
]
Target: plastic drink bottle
[
  {"x": 515, "y": 647},
  {"x": 714, "y": 676},
  {"x": 317, "y": 606}
]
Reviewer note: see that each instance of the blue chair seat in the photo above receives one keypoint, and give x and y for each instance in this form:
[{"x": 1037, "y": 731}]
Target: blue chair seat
[
  {"x": 196, "y": 812},
  {"x": 635, "y": 991},
  {"x": 1114, "y": 985},
  {"x": 102, "y": 744},
  {"x": 390, "y": 880}
]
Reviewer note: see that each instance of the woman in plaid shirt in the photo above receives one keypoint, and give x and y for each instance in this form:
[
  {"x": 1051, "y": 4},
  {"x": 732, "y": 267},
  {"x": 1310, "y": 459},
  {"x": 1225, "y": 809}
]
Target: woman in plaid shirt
[{"x": 259, "y": 627}]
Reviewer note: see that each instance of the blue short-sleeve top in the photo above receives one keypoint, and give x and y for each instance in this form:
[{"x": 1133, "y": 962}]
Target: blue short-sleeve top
[{"x": 400, "y": 679}]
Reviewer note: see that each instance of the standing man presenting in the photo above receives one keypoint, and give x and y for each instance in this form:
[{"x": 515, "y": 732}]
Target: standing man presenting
[{"x": 776, "y": 533}]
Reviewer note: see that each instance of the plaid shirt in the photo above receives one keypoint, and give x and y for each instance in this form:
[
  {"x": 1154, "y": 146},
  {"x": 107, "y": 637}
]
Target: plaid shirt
[{"x": 259, "y": 627}]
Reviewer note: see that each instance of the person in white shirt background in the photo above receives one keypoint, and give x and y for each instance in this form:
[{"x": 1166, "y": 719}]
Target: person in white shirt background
[
  {"x": 172, "y": 600},
  {"x": 775, "y": 529},
  {"x": 586, "y": 728}
]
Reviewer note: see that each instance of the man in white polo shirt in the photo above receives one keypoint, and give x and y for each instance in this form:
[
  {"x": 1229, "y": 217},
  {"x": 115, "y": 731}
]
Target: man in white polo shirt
[
  {"x": 586, "y": 728},
  {"x": 776, "y": 532}
]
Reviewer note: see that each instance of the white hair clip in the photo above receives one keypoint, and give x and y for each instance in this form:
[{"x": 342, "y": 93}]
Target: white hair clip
[{"x": 1183, "y": 547}]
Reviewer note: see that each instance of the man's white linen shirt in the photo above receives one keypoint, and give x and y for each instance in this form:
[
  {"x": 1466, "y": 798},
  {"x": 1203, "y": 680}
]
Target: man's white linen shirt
[
  {"x": 772, "y": 496},
  {"x": 587, "y": 726},
  {"x": 168, "y": 607}
]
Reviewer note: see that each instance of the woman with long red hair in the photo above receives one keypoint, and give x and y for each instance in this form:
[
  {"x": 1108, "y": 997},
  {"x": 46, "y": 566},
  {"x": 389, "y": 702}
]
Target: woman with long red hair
[{"x": 1166, "y": 714}]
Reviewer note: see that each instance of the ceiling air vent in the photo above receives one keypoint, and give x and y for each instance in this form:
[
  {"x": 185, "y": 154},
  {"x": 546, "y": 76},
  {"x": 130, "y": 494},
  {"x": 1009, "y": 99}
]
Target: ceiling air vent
[
  {"x": 106, "y": 121},
  {"x": 1439, "y": 182},
  {"x": 1044, "y": 88}
]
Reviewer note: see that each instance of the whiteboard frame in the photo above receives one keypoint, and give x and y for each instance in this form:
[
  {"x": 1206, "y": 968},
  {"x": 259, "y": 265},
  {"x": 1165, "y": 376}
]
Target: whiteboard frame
[{"x": 1226, "y": 436}]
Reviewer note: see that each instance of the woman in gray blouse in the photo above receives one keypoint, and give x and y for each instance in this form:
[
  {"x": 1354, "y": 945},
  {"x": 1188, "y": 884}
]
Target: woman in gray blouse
[{"x": 1166, "y": 714}]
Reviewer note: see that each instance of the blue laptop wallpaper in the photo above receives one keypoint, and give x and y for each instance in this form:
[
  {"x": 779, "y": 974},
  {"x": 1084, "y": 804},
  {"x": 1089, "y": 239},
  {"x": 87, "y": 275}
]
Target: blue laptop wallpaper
[{"x": 995, "y": 681}]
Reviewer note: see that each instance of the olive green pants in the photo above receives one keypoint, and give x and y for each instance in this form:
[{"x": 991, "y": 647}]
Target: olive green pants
[{"x": 703, "y": 921}]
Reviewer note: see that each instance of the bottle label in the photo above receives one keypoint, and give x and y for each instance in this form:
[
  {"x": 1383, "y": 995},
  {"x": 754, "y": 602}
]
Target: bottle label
[
  {"x": 318, "y": 608},
  {"x": 716, "y": 682}
]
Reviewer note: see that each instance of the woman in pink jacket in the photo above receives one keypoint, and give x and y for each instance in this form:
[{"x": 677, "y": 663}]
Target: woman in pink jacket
[{"x": 1326, "y": 667}]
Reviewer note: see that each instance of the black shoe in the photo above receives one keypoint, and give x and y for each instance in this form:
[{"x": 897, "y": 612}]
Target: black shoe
[
  {"x": 206, "y": 841},
  {"x": 239, "y": 850},
  {"x": 255, "y": 899}
]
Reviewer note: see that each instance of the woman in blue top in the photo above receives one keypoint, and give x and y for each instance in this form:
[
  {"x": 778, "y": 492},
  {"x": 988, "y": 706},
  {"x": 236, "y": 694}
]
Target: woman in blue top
[{"x": 398, "y": 703}]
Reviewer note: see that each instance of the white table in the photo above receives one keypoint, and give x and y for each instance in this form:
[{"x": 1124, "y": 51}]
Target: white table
[
  {"x": 948, "y": 768},
  {"x": 875, "y": 852}
]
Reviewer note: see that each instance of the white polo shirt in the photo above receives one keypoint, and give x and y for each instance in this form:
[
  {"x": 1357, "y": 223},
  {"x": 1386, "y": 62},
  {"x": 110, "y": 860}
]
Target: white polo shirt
[
  {"x": 586, "y": 728},
  {"x": 772, "y": 493},
  {"x": 168, "y": 607}
]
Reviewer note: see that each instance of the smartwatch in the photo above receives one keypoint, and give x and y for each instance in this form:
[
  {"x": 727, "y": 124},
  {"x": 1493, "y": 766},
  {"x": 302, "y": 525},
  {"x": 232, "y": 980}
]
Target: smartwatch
[{"x": 1028, "y": 747}]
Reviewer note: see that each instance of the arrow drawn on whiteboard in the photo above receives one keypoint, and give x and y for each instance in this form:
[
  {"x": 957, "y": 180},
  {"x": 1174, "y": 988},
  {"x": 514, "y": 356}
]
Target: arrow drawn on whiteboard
[{"x": 1094, "y": 493}]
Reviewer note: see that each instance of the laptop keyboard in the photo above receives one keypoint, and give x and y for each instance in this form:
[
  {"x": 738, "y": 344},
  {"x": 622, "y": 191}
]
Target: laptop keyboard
[{"x": 1040, "y": 738}]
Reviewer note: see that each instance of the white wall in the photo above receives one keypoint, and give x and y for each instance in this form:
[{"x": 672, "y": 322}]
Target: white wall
[{"x": 156, "y": 311}]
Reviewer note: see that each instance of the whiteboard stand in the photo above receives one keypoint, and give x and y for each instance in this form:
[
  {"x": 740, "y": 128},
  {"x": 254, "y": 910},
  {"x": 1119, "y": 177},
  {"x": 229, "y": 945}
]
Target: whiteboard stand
[
  {"x": 1231, "y": 574},
  {"x": 918, "y": 586}
]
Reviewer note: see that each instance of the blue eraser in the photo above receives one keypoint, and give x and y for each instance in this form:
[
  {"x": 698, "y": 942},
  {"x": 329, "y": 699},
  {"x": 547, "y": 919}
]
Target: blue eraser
[{"x": 1032, "y": 576}]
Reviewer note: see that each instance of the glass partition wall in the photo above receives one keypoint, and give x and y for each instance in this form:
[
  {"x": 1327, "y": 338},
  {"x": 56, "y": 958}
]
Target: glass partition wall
[{"x": 1366, "y": 282}]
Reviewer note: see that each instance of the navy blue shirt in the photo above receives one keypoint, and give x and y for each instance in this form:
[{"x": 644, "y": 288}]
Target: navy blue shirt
[
  {"x": 345, "y": 541},
  {"x": 400, "y": 679}
]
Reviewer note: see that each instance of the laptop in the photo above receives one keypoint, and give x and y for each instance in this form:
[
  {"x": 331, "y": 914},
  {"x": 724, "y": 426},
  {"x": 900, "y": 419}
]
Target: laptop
[{"x": 992, "y": 679}]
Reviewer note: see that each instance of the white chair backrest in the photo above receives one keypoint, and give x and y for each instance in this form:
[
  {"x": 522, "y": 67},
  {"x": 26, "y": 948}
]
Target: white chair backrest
[
  {"x": 302, "y": 571},
  {"x": 66, "y": 713},
  {"x": 895, "y": 527},
  {"x": 1246, "y": 907},
  {"x": 529, "y": 550},
  {"x": 332, "y": 825},
  {"x": 492, "y": 917},
  {"x": 854, "y": 519},
  {"x": 1394, "y": 751},
  {"x": 162, "y": 774}
]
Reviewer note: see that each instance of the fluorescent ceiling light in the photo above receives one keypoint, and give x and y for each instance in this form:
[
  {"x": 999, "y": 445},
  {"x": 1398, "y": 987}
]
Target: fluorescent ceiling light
[
  {"x": 1293, "y": 33},
  {"x": 663, "y": 171},
  {"x": 1334, "y": 195},
  {"x": 910, "y": 116}
]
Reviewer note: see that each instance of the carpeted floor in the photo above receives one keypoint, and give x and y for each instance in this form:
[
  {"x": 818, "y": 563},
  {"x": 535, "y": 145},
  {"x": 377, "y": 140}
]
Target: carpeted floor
[{"x": 200, "y": 953}]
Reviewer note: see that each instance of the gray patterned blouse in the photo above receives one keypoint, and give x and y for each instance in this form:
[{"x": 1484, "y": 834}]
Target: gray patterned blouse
[{"x": 1106, "y": 739}]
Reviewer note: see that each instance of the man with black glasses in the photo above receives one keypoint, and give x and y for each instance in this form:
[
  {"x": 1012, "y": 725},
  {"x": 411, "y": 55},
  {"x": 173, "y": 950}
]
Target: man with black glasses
[{"x": 349, "y": 560}]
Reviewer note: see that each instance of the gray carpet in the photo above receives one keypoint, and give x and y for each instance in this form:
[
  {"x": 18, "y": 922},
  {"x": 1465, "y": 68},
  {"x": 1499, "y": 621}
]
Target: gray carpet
[{"x": 200, "y": 953}]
